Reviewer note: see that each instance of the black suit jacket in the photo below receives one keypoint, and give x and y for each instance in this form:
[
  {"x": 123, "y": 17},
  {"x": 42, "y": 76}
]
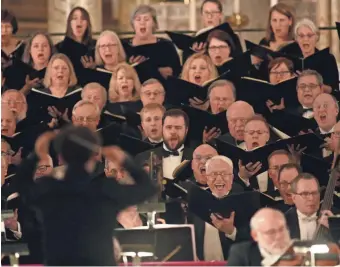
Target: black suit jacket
[
  {"x": 245, "y": 254},
  {"x": 80, "y": 211}
]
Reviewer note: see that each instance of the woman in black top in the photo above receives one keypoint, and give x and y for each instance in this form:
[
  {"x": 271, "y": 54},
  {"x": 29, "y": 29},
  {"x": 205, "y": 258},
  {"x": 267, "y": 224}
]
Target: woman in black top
[
  {"x": 78, "y": 213},
  {"x": 280, "y": 27},
  {"x": 162, "y": 56}
]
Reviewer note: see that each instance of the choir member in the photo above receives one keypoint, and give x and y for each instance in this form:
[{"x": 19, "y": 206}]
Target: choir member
[
  {"x": 199, "y": 69},
  {"x": 95, "y": 93},
  {"x": 16, "y": 102},
  {"x": 270, "y": 233},
  {"x": 221, "y": 94},
  {"x": 79, "y": 29},
  {"x": 44, "y": 167},
  {"x": 221, "y": 47},
  {"x": 152, "y": 91},
  {"x": 86, "y": 114},
  {"x": 307, "y": 35},
  {"x": 326, "y": 111},
  {"x": 280, "y": 27},
  {"x": 213, "y": 241},
  {"x": 10, "y": 45},
  {"x": 69, "y": 241},
  {"x": 108, "y": 53},
  {"x": 60, "y": 78},
  {"x": 212, "y": 13},
  {"x": 124, "y": 84},
  {"x": 8, "y": 122},
  {"x": 280, "y": 69},
  {"x": 151, "y": 118},
  {"x": 144, "y": 23},
  {"x": 286, "y": 174},
  {"x": 238, "y": 114},
  {"x": 256, "y": 133},
  {"x": 174, "y": 151},
  {"x": 304, "y": 217},
  {"x": 199, "y": 158}
]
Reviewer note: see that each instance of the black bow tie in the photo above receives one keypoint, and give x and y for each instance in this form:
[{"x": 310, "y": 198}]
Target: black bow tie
[
  {"x": 307, "y": 109},
  {"x": 167, "y": 153}
]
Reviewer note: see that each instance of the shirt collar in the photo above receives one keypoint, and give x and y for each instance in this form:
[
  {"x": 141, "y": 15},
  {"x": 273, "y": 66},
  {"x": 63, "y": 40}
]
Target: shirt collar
[
  {"x": 303, "y": 216},
  {"x": 324, "y": 132},
  {"x": 180, "y": 149},
  {"x": 155, "y": 141}
]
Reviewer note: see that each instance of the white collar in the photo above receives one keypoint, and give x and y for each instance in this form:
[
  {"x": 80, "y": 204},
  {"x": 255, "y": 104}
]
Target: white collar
[
  {"x": 179, "y": 150},
  {"x": 324, "y": 132},
  {"x": 218, "y": 196},
  {"x": 155, "y": 141},
  {"x": 303, "y": 216},
  {"x": 304, "y": 107}
]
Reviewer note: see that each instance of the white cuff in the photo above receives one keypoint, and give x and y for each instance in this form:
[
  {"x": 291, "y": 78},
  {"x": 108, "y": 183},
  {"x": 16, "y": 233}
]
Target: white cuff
[
  {"x": 232, "y": 236},
  {"x": 17, "y": 234}
]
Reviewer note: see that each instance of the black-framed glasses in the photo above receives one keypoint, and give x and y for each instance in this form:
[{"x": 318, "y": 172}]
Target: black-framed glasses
[
  {"x": 306, "y": 194},
  {"x": 279, "y": 73},
  {"x": 214, "y": 175},
  {"x": 259, "y": 132},
  {"x": 311, "y": 86},
  {"x": 211, "y": 13},
  {"x": 217, "y": 48}
]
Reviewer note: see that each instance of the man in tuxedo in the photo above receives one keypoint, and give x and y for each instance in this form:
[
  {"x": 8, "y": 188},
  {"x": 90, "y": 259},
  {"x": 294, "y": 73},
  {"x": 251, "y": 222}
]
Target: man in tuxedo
[
  {"x": 305, "y": 216},
  {"x": 152, "y": 91},
  {"x": 151, "y": 118},
  {"x": 238, "y": 114},
  {"x": 221, "y": 94},
  {"x": 8, "y": 122},
  {"x": 213, "y": 241},
  {"x": 95, "y": 93},
  {"x": 309, "y": 86},
  {"x": 173, "y": 152},
  {"x": 16, "y": 102},
  {"x": 286, "y": 174},
  {"x": 271, "y": 240},
  {"x": 87, "y": 114},
  {"x": 199, "y": 158}
]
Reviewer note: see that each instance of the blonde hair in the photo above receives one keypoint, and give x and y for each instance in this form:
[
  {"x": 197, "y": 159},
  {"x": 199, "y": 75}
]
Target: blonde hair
[
  {"x": 151, "y": 107},
  {"x": 211, "y": 67},
  {"x": 130, "y": 72},
  {"x": 72, "y": 79},
  {"x": 121, "y": 53}
]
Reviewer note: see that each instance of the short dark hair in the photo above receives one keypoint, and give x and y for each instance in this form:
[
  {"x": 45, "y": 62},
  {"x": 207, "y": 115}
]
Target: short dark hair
[
  {"x": 176, "y": 113},
  {"x": 289, "y": 166},
  {"x": 303, "y": 176},
  {"x": 281, "y": 60},
  {"x": 259, "y": 117},
  {"x": 280, "y": 152},
  {"x": 7, "y": 16},
  {"x": 224, "y": 37},
  {"x": 217, "y": 2}
]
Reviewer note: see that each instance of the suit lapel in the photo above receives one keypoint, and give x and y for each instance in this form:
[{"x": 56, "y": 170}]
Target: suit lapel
[{"x": 293, "y": 222}]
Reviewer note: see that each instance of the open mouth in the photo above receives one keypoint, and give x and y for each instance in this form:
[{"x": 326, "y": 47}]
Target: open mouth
[
  {"x": 125, "y": 87},
  {"x": 218, "y": 58},
  {"x": 255, "y": 144},
  {"x": 60, "y": 77},
  {"x": 219, "y": 186},
  {"x": 143, "y": 30},
  {"x": 40, "y": 55},
  {"x": 108, "y": 55},
  {"x": 4, "y": 131},
  {"x": 202, "y": 170},
  {"x": 305, "y": 46},
  {"x": 198, "y": 78},
  {"x": 323, "y": 117},
  {"x": 307, "y": 95},
  {"x": 278, "y": 30},
  {"x": 154, "y": 131},
  {"x": 221, "y": 109}
]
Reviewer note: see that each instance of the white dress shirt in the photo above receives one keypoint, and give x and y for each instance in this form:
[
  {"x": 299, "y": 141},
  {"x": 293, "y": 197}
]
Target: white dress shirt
[
  {"x": 309, "y": 114},
  {"x": 307, "y": 225},
  {"x": 262, "y": 180},
  {"x": 170, "y": 163},
  {"x": 325, "y": 152}
]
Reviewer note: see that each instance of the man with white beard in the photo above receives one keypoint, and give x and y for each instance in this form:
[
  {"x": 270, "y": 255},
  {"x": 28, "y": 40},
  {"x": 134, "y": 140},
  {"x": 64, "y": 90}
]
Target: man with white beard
[{"x": 271, "y": 240}]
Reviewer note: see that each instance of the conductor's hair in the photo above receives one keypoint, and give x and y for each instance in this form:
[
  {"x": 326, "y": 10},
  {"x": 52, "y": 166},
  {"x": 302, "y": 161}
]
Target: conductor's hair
[
  {"x": 176, "y": 113},
  {"x": 303, "y": 176},
  {"x": 75, "y": 152},
  {"x": 289, "y": 166},
  {"x": 8, "y": 17},
  {"x": 217, "y": 2}
]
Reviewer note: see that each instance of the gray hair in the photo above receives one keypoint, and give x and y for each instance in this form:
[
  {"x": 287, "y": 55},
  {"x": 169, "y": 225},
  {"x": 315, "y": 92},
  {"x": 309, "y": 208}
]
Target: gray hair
[
  {"x": 314, "y": 73},
  {"x": 222, "y": 83},
  {"x": 144, "y": 9},
  {"x": 260, "y": 217},
  {"x": 152, "y": 81},
  {"x": 219, "y": 157},
  {"x": 95, "y": 86},
  {"x": 306, "y": 23},
  {"x": 83, "y": 103}
]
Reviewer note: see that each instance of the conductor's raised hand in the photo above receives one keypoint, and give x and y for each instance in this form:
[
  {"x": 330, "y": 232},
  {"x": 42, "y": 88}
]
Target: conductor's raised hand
[
  {"x": 114, "y": 154},
  {"x": 42, "y": 144}
]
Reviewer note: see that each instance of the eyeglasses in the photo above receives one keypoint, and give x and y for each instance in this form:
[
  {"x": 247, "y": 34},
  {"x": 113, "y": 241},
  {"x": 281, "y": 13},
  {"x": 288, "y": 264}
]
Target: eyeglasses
[
  {"x": 43, "y": 168},
  {"x": 155, "y": 94},
  {"x": 284, "y": 184},
  {"x": 106, "y": 46},
  {"x": 216, "y": 48},
  {"x": 235, "y": 120},
  {"x": 308, "y": 36},
  {"x": 85, "y": 119},
  {"x": 211, "y": 13},
  {"x": 304, "y": 86},
  {"x": 7, "y": 154},
  {"x": 259, "y": 132},
  {"x": 279, "y": 73},
  {"x": 9, "y": 102},
  {"x": 202, "y": 158},
  {"x": 214, "y": 175},
  {"x": 305, "y": 195}
]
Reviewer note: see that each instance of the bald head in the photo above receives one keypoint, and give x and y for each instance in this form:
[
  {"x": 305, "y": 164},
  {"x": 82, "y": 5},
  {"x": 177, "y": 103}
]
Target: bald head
[
  {"x": 200, "y": 156},
  {"x": 237, "y": 115},
  {"x": 326, "y": 110},
  {"x": 8, "y": 122}
]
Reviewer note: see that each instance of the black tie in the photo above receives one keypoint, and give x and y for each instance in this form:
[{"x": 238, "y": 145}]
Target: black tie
[
  {"x": 307, "y": 109},
  {"x": 167, "y": 153}
]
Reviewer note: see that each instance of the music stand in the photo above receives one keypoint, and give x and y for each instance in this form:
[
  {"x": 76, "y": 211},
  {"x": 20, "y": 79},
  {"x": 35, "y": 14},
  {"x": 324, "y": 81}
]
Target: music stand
[
  {"x": 164, "y": 242},
  {"x": 14, "y": 250}
]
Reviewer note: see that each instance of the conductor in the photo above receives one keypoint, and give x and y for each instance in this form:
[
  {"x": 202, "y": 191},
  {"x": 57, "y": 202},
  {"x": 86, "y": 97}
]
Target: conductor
[{"x": 78, "y": 212}]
